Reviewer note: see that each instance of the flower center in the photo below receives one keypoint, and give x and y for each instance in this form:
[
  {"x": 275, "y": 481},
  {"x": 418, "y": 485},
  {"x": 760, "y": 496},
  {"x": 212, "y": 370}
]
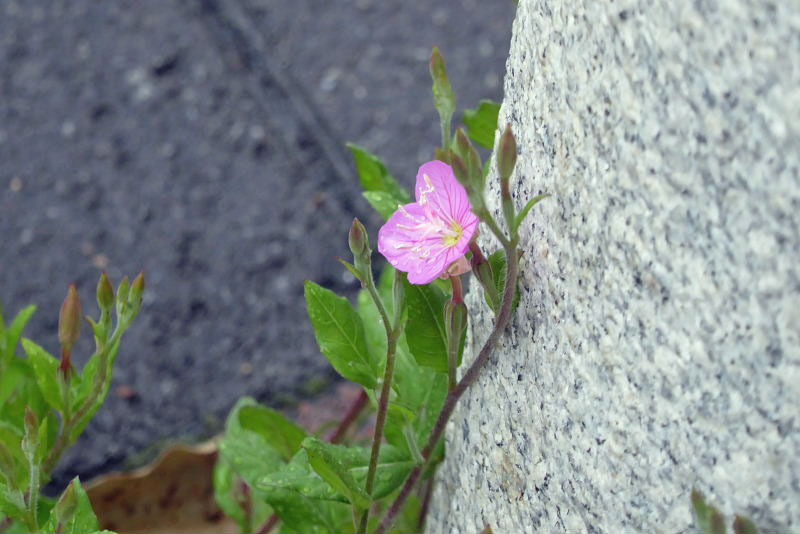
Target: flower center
[{"x": 452, "y": 238}]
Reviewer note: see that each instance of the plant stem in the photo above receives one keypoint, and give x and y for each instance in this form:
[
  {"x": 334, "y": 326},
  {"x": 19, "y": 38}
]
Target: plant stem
[
  {"x": 383, "y": 403},
  {"x": 63, "y": 440},
  {"x": 469, "y": 378}
]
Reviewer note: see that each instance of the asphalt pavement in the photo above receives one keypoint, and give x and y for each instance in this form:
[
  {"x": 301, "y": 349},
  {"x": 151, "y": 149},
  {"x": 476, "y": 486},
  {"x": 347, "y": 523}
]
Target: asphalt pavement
[{"x": 202, "y": 141}]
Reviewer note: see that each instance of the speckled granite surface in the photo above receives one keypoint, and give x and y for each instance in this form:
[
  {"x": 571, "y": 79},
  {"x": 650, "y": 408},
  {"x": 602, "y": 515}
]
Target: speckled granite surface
[{"x": 656, "y": 347}]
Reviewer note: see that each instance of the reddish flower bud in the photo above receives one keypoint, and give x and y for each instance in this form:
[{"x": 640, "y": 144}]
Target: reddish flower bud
[
  {"x": 69, "y": 320},
  {"x": 507, "y": 158}
]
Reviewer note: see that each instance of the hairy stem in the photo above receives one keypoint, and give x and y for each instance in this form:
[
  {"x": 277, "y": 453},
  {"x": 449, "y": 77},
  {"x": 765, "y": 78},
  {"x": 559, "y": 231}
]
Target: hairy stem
[
  {"x": 468, "y": 379},
  {"x": 63, "y": 440}
]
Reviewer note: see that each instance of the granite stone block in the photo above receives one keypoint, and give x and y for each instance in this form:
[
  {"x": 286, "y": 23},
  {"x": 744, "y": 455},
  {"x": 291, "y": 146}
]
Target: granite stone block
[{"x": 656, "y": 348}]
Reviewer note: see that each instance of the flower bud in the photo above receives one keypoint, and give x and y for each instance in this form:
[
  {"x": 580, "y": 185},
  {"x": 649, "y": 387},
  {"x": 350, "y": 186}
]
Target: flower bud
[
  {"x": 359, "y": 246},
  {"x": 442, "y": 155},
  {"x": 507, "y": 157},
  {"x": 69, "y": 319},
  {"x": 30, "y": 440},
  {"x": 122, "y": 297},
  {"x": 105, "y": 294},
  {"x": 136, "y": 294},
  {"x": 443, "y": 95}
]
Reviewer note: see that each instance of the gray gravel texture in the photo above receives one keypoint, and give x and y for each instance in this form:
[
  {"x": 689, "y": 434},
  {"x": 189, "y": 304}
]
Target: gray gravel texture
[{"x": 202, "y": 141}]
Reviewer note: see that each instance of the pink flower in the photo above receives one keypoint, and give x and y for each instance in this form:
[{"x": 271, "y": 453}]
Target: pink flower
[{"x": 429, "y": 236}]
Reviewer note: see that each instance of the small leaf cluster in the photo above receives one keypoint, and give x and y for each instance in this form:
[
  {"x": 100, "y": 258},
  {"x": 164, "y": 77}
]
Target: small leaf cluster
[{"x": 45, "y": 405}]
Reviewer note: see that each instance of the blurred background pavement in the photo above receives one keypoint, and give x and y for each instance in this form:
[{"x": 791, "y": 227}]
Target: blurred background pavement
[{"x": 202, "y": 141}]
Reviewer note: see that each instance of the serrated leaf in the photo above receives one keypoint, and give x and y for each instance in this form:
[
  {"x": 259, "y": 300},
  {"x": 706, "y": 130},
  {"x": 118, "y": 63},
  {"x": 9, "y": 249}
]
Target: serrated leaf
[
  {"x": 277, "y": 430},
  {"x": 499, "y": 268},
  {"x": 481, "y": 123},
  {"x": 340, "y": 335},
  {"x": 328, "y": 464},
  {"x": 73, "y": 513},
  {"x": 14, "y": 332},
  {"x": 384, "y": 203},
  {"x": 12, "y": 502},
  {"x": 524, "y": 212},
  {"x": 426, "y": 332},
  {"x": 743, "y": 525},
  {"x": 375, "y": 176},
  {"x": 45, "y": 367}
]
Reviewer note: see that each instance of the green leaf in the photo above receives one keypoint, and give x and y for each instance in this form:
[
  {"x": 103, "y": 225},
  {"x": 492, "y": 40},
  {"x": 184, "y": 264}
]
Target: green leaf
[
  {"x": 251, "y": 456},
  {"x": 305, "y": 502},
  {"x": 14, "y": 331},
  {"x": 12, "y": 377},
  {"x": 384, "y": 203},
  {"x": 524, "y": 212},
  {"x": 45, "y": 367},
  {"x": 708, "y": 518},
  {"x": 499, "y": 268},
  {"x": 340, "y": 335},
  {"x": 328, "y": 464},
  {"x": 277, "y": 430},
  {"x": 12, "y": 502},
  {"x": 426, "y": 332},
  {"x": 481, "y": 123},
  {"x": 73, "y": 512},
  {"x": 374, "y": 176},
  {"x": 225, "y": 480},
  {"x": 743, "y": 525},
  {"x": 229, "y": 494}
]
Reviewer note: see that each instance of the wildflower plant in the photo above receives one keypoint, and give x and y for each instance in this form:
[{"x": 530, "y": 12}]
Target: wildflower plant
[
  {"x": 402, "y": 342},
  {"x": 45, "y": 404}
]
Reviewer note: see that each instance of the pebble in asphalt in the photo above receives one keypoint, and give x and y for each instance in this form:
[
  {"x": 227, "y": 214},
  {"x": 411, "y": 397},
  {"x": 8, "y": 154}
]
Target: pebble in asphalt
[{"x": 202, "y": 141}]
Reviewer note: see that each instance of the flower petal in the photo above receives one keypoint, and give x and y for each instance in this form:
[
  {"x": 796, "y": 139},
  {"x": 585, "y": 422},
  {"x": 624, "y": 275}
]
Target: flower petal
[{"x": 438, "y": 188}]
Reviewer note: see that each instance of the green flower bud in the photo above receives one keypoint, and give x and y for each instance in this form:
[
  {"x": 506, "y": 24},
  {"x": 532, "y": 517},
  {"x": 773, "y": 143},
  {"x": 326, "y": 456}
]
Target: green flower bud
[
  {"x": 122, "y": 297},
  {"x": 105, "y": 294},
  {"x": 359, "y": 246},
  {"x": 136, "y": 294},
  {"x": 69, "y": 319}
]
